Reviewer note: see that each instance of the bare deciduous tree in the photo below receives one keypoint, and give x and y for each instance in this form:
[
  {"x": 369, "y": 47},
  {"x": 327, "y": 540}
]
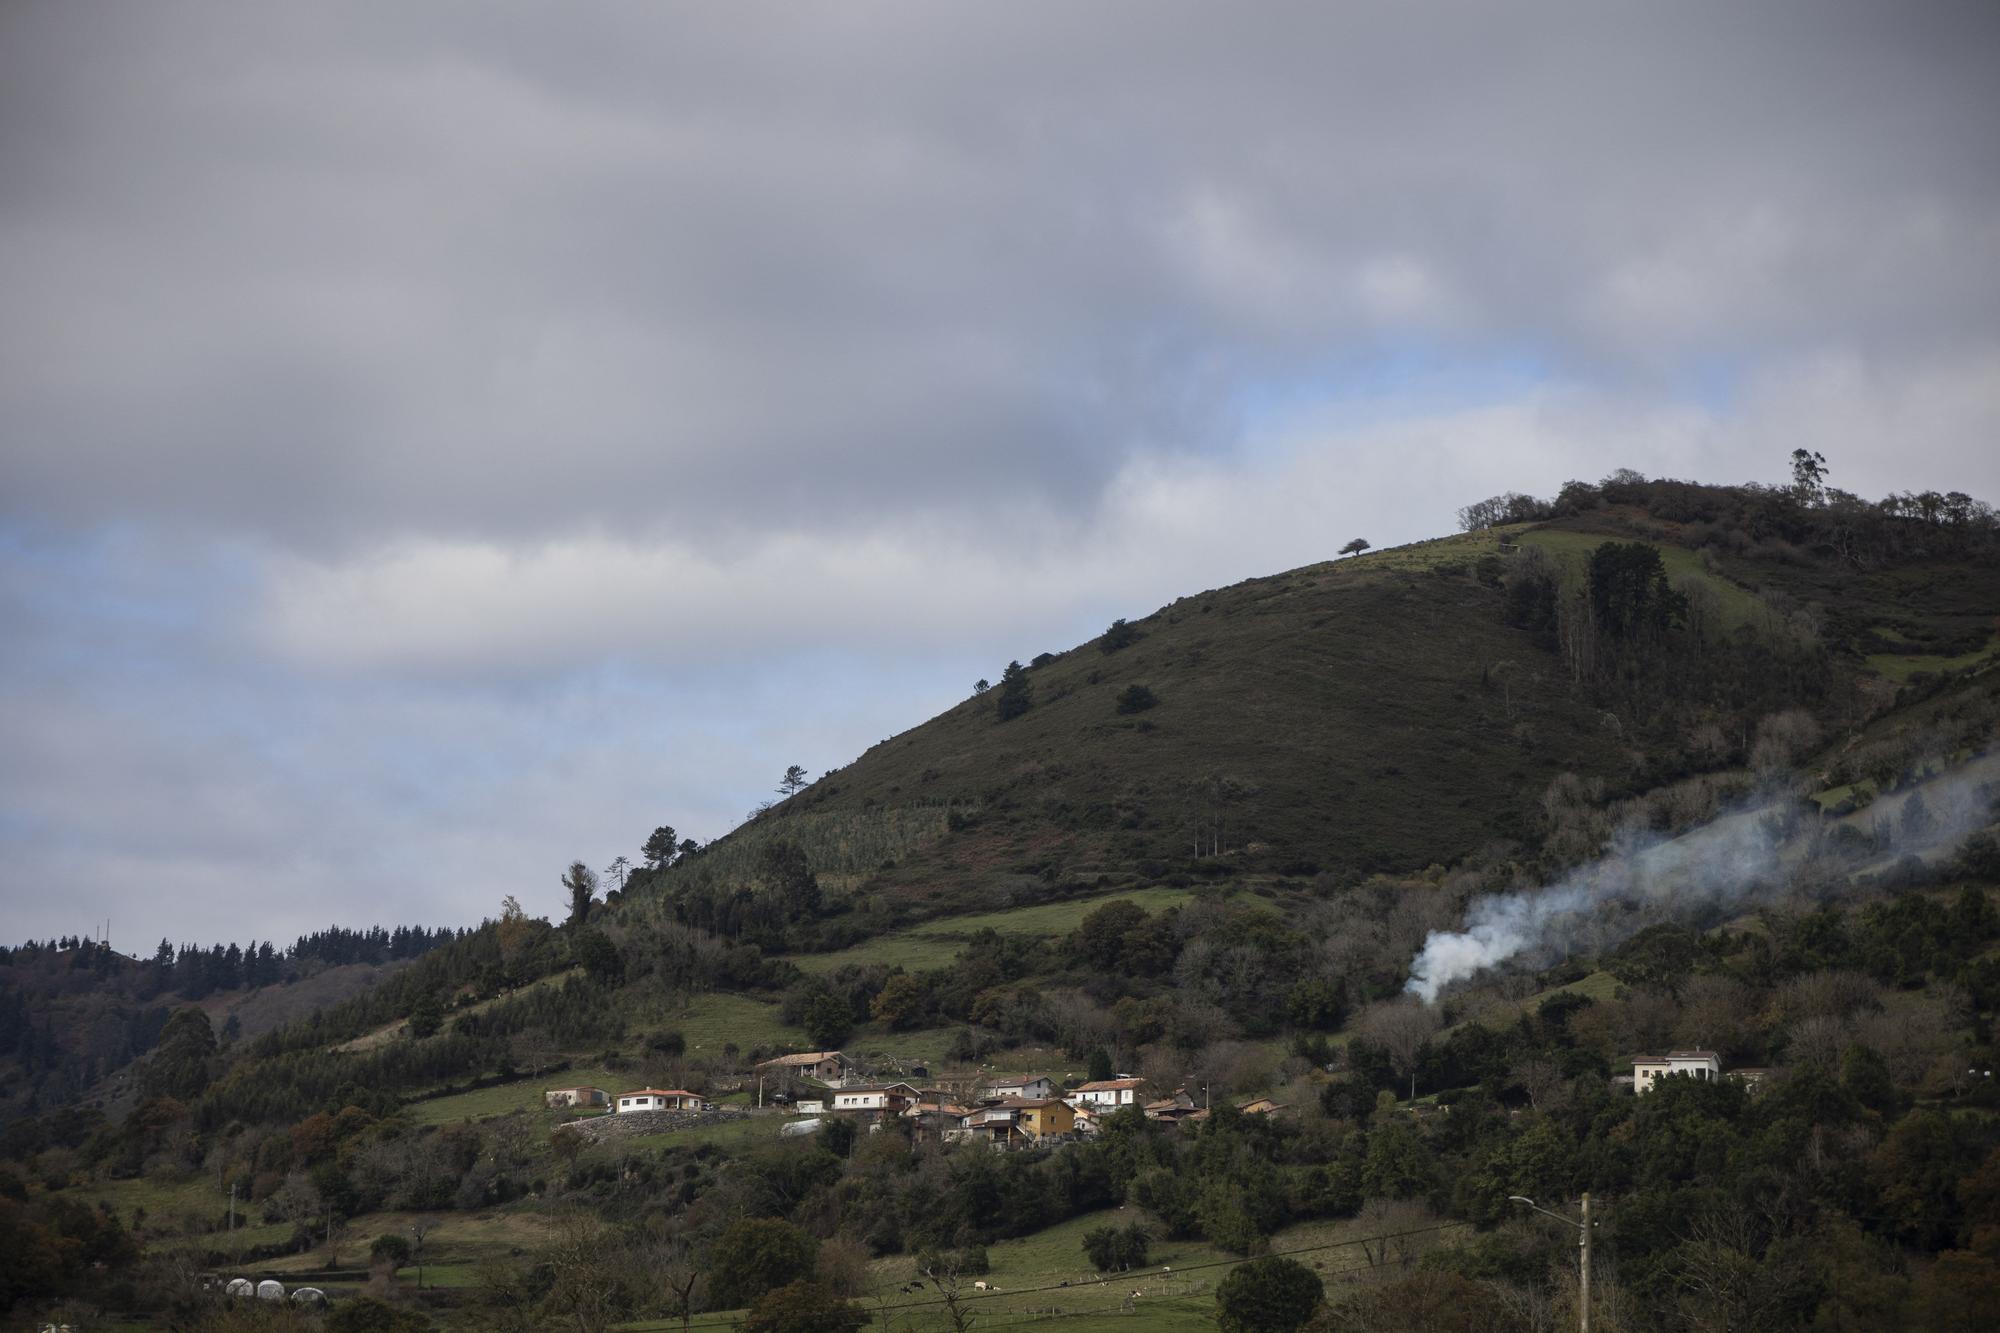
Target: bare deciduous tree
[
  {"x": 584, "y": 1272},
  {"x": 1400, "y": 1027},
  {"x": 1539, "y": 1078},
  {"x": 674, "y": 1265}
]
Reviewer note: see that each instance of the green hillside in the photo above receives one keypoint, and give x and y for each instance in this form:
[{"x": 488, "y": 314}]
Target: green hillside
[
  {"x": 1376, "y": 714},
  {"x": 1221, "y": 893},
  {"x": 1354, "y": 707}
]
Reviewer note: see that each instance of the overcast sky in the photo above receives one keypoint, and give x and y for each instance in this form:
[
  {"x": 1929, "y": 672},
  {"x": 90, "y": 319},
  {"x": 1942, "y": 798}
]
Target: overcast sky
[{"x": 440, "y": 441}]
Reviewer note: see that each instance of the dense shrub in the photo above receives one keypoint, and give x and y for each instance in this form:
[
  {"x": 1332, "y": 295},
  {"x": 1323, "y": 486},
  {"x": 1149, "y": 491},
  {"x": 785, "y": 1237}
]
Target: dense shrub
[
  {"x": 1273, "y": 1295},
  {"x": 1136, "y": 699},
  {"x": 755, "y": 1255},
  {"x": 1117, "y": 1248}
]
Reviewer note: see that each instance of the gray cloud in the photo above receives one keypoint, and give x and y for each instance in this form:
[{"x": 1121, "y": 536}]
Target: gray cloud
[
  {"x": 332, "y": 276},
  {"x": 377, "y": 382}
]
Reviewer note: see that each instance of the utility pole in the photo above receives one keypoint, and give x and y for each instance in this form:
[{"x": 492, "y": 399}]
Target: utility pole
[
  {"x": 232, "y": 1207},
  {"x": 1583, "y": 1284},
  {"x": 1583, "y": 1289}
]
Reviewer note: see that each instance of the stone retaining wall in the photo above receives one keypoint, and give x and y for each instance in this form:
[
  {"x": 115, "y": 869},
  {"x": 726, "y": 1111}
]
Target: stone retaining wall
[{"x": 598, "y": 1128}]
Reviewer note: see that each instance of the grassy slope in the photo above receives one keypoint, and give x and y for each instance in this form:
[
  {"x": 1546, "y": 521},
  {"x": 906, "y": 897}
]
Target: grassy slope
[
  {"x": 1356, "y": 701},
  {"x": 1899, "y": 667},
  {"x": 1917, "y": 616},
  {"x": 1348, "y": 696},
  {"x": 1735, "y": 605},
  {"x": 935, "y": 944},
  {"x": 526, "y": 1095}
]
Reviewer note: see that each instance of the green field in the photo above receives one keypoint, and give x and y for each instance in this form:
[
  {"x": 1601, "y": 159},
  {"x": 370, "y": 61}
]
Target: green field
[
  {"x": 1596, "y": 986},
  {"x": 1862, "y": 792},
  {"x": 525, "y": 1095},
  {"x": 1735, "y": 605},
  {"x": 935, "y": 943},
  {"x": 729, "y": 1134},
  {"x": 712, "y": 1021},
  {"x": 1900, "y": 667},
  {"x": 182, "y": 1205},
  {"x": 1028, "y": 1276},
  {"x": 707, "y": 1023},
  {"x": 453, "y": 1247},
  {"x": 1285, "y": 687}
]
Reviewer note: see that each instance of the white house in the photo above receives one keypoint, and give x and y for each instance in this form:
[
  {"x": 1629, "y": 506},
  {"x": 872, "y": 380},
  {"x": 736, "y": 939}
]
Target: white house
[
  {"x": 1032, "y": 1087},
  {"x": 559, "y": 1097},
  {"x": 1107, "y": 1094},
  {"x": 1648, "y": 1070},
  {"x": 885, "y": 1097},
  {"x": 658, "y": 1099}
]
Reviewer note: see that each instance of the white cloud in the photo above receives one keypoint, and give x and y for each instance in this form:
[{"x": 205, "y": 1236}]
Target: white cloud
[{"x": 1166, "y": 526}]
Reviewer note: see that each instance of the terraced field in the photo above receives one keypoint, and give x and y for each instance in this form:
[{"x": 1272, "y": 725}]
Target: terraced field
[
  {"x": 1900, "y": 667},
  {"x": 935, "y": 943}
]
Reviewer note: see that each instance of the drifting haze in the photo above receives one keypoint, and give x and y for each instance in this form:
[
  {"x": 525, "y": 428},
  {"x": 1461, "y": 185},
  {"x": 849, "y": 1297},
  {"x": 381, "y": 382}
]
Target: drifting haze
[
  {"x": 437, "y": 442},
  {"x": 1743, "y": 860}
]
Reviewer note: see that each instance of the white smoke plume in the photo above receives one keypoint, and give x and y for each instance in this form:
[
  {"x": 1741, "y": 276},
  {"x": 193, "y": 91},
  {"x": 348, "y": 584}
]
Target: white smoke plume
[{"x": 1732, "y": 863}]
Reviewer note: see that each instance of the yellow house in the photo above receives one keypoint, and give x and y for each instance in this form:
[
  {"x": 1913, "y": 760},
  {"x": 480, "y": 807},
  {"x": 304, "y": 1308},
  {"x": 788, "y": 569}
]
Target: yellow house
[{"x": 1044, "y": 1117}]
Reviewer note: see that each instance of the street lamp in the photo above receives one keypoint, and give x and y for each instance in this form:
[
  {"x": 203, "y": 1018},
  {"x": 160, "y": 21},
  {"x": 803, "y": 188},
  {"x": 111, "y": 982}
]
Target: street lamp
[{"x": 1583, "y": 1287}]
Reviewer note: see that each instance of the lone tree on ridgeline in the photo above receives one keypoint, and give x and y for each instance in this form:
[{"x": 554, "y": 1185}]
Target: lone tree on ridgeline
[
  {"x": 1809, "y": 476},
  {"x": 1355, "y": 547},
  {"x": 660, "y": 849},
  {"x": 1016, "y": 696},
  {"x": 793, "y": 782},
  {"x": 581, "y": 882}
]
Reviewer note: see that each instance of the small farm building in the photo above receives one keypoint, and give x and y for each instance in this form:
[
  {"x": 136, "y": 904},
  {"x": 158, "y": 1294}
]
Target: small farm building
[{"x": 826, "y": 1066}]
